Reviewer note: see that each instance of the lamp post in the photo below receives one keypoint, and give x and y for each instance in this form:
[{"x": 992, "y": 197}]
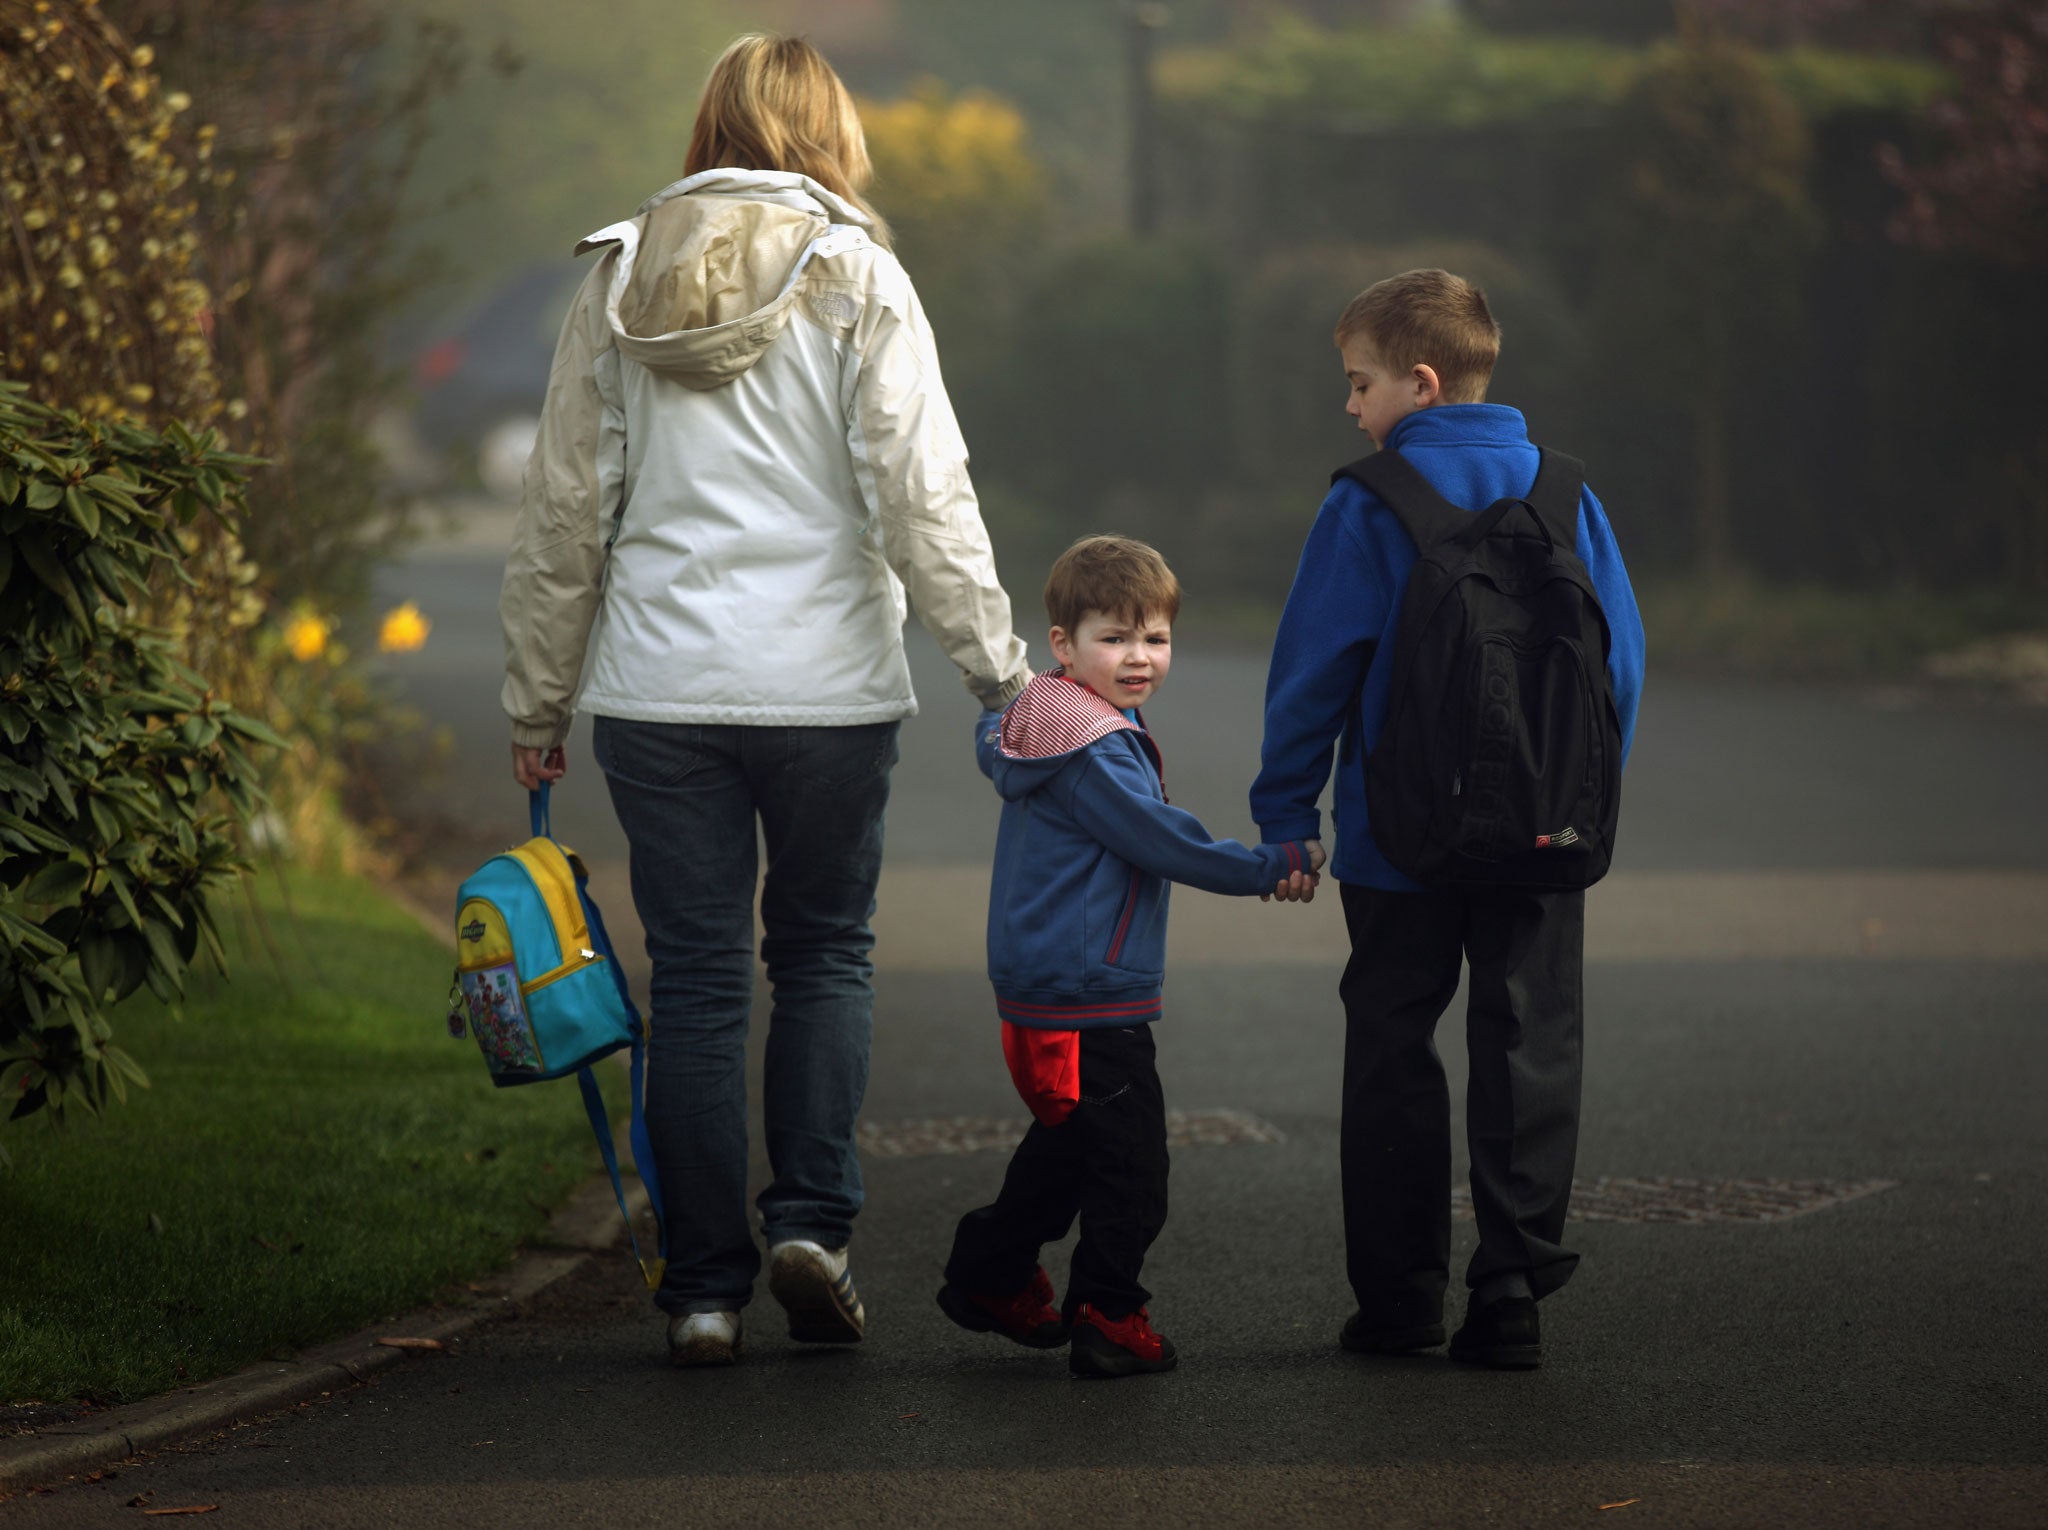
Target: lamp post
[{"x": 1143, "y": 21}]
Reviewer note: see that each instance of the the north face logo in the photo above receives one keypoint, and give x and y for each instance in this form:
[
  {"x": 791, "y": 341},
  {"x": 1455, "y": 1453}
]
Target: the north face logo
[
  {"x": 1558, "y": 840},
  {"x": 833, "y": 308},
  {"x": 473, "y": 931}
]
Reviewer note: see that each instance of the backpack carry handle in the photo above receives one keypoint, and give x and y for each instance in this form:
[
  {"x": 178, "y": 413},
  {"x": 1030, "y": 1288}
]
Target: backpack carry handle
[
  {"x": 537, "y": 809},
  {"x": 1488, "y": 520}
]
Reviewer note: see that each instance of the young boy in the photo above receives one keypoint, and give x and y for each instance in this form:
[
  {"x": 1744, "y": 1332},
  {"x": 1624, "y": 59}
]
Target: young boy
[
  {"x": 1077, "y": 954},
  {"x": 1419, "y": 350}
]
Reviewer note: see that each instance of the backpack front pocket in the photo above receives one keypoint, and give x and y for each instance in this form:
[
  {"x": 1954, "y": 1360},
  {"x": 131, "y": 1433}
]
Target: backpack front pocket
[
  {"x": 499, "y": 1020},
  {"x": 492, "y": 994},
  {"x": 578, "y": 1009},
  {"x": 1518, "y": 778}
]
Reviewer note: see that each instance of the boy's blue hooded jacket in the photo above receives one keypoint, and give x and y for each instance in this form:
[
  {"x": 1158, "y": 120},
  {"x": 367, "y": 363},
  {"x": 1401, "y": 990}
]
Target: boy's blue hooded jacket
[
  {"x": 1084, "y": 855},
  {"x": 1334, "y": 649}
]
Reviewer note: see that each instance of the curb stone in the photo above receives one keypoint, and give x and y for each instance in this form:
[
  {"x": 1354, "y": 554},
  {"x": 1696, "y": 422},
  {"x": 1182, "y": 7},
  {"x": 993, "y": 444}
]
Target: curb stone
[{"x": 587, "y": 1226}]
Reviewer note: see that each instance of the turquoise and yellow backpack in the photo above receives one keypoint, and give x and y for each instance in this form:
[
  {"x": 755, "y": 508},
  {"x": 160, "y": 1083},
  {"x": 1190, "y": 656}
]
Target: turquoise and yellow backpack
[{"x": 538, "y": 985}]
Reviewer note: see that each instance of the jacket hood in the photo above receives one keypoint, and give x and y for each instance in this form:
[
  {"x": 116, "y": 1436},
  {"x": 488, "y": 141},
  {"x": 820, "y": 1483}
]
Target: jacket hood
[
  {"x": 704, "y": 277},
  {"x": 1052, "y": 720}
]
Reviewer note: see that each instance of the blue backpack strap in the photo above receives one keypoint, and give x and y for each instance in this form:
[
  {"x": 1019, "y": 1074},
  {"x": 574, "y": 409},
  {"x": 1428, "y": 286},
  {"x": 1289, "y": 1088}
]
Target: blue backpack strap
[
  {"x": 643, "y": 1160},
  {"x": 601, "y": 1128},
  {"x": 636, "y": 1129},
  {"x": 593, "y": 1101}
]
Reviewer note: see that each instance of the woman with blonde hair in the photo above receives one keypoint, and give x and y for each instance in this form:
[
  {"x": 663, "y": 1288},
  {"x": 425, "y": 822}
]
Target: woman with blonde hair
[{"x": 745, "y": 461}]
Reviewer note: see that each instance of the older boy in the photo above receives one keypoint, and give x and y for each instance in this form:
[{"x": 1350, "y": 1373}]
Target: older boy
[
  {"x": 1418, "y": 351},
  {"x": 1077, "y": 953}
]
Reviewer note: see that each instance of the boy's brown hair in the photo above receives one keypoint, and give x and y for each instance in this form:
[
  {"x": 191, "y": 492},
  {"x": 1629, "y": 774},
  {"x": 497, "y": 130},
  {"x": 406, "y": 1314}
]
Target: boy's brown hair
[
  {"x": 1116, "y": 576},
  {"x": 1428, "y": 318}
]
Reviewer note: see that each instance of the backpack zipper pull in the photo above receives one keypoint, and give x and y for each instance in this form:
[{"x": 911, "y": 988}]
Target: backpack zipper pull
[
  {"x": 458, "y": 1019},
  {"x": 1457, "y": 783}
]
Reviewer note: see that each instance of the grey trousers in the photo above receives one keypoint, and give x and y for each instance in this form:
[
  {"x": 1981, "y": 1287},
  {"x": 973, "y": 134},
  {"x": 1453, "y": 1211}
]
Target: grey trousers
[{"x": 1523, "y": 1028}]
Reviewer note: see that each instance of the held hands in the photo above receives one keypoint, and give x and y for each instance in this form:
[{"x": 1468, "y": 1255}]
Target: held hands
[
  {"x": 1300, "y": 886},
  {"x": 530, "y": 767}
]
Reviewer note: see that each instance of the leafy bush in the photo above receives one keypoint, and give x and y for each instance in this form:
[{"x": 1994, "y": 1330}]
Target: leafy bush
[
  {"x": 966, "y": 201},
  {"x": 122, "y": 774},
  {"x": 1107, "y": 323}
]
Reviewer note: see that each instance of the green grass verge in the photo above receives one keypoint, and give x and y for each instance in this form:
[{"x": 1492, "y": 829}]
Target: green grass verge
[
  {"x": 315, "y": 1154},
  {"x": 1775, "y": 631}
]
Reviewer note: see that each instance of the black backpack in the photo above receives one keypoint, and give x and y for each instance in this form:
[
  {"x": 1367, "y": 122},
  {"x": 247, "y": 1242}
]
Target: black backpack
[{"x": 1499, "y": 763}]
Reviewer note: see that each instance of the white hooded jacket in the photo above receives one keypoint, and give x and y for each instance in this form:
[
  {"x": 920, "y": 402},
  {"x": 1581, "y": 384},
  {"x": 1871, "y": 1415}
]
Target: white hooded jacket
[{"x": 746, "y": 403}]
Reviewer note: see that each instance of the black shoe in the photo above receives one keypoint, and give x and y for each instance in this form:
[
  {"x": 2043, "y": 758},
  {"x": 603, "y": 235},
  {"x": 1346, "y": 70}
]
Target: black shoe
[
  {"x": 1407, "y": 1340},
  {"x": 1502, "y": 1335}
]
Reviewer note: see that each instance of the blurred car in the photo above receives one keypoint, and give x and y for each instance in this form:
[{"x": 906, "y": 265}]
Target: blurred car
[{"x": 479, "y": 386}]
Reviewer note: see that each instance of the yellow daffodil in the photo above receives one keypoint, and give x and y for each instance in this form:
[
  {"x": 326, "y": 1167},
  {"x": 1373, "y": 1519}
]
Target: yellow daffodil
[
  {"x": 306, "y": 637},
  {"x": 404, "y": 630}
]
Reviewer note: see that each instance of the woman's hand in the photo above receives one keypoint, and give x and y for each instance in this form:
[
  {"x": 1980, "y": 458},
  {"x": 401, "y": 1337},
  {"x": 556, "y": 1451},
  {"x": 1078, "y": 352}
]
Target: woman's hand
[{"x": 530, "y": 767}]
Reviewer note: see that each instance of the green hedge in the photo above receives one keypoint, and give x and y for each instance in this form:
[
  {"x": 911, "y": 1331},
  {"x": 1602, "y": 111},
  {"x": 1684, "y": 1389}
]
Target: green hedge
[{"x": 1457, "y": 76}]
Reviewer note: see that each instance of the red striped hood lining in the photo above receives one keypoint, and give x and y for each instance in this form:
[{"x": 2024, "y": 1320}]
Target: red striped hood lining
[{"x": 1054, "y": 716}]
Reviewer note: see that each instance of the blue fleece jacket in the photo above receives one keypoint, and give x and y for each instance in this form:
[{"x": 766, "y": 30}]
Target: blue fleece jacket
[
  {"x": 1329, "y": 678},
  {"x": 1084, "y": 854}
]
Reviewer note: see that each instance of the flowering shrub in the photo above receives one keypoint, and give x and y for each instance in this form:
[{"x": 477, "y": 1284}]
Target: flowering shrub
[
  {"x": 953, "y": 173},
  {"x": 100, "y": 302},
  {"x": 122, "y": 774}
]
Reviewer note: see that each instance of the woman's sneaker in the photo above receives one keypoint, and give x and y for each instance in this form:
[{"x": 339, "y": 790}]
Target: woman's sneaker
[
  {"x": 704, "y": 1338},
  {"x": 816, "y": 1290},
  {"x": 1027, "y": 1316},
  {"x": 1117, "y": 1347}
]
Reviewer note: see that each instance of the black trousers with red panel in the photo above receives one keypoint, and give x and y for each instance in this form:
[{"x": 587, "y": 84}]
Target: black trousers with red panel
[{"x": 1105, "y": 1164}]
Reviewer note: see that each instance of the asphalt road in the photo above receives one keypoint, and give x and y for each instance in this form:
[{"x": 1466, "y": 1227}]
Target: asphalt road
[{"x": 1821, "y": 960}]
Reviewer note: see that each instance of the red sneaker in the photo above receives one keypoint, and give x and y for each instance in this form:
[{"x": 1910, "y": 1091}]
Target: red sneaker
[
  {"x": 1027, "y": 1316},
  {"x": 1118, "y": 1347}
]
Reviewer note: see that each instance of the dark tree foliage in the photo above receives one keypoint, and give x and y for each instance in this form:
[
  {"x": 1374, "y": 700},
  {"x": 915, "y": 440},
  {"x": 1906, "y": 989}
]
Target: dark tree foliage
[
  {"x": 1978, "y": 182},
  {"x": 1985, "y": 187},
  {"x": 315, "y": 117}
]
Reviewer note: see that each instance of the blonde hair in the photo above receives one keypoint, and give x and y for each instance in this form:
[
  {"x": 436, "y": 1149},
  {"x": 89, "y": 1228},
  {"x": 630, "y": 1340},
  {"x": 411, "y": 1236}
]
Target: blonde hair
[
  {"x": 774, "y": 103},
  {"x": 1428, "y": 318},
  {"x": 1115, "y": 577}
]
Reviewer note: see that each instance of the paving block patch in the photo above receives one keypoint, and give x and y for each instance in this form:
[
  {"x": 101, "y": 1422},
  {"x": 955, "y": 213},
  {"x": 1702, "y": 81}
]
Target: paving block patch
[
  {"x": 1700, "y": 1200},
  {"x": 944, "y": 1135}
]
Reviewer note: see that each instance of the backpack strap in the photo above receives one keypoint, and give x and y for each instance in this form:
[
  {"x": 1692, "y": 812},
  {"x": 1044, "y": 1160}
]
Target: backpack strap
[
  {"x": 1429, "y": 518},
  {"x": 1424, "y": 514},
  {"x": 1555, "y": 497},
  {"x": 593, "y": 1101}
]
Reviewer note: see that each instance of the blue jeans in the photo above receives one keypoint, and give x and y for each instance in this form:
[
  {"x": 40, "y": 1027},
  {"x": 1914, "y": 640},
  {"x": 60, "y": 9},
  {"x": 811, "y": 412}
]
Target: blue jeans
[{"x": 687, "y": 797}]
